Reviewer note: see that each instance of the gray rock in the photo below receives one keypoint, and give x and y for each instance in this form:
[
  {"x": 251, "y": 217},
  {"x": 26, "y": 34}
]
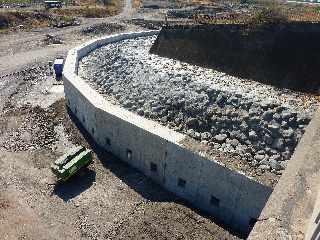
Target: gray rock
[
  {"x": 214, "y": 130},
  {"x": 275, "y": 157},
  {"x": 254, "y": 111},
  {"x": 268, "y": 105},
  {"x": 177, "y": 120},
  {"x": 221, "y": 99},
  {"x": 140, "y": 111},
  {"x": 216, "y": 146},
  {"x": 211, "y": 92},
  {"x": 205, "y": 136},
  {"x": 274, "y": 128},
  {"x": 197, "y": 135},
  {"x": 290, "y": 142},
  {"x": 254, "y": 122},
  {"x": 268, "y": 115},
  {"x": 234, "y": 142},
  {"x": 284, "y": 124},
  {"x": 241, "y": 137},
  {"x": 303, "y": 120},
  {"x": 204, "y": 142},
  {"x": 191, "y": 133},
  {"x": 286, "y": 155},
  {"x": 284, "y": 164},
  {"x": 220, "y": 138},
  {"x": 278, "y": 144},
  {"x": 234, "y": 134},
  {"x": 192, "y": 123},
  {"x": 286, "y": 115},
  {"x": 245, "y": 116},
  {"x": 267, "y": 139},
  {"x": 264, "y": 161},
  {"x": 280, "y": 109},
  {"x": 259, "y": 157},
  {"x": 127, "y": 104},
  {"x": 254, "y": 163},
  {"x": 288, "y": 133},
  {"x": 248, "y": 156},
  {"x": 147, "y": 114},
  {"x": 264, "y": 167},
  {"x": 277, "y": 117},
  {"x": 253, "y": 135},
  {"x": 244, "y": 127},
  {"x": 275, "y": 165},
  {"x": 234, "y": 101}
]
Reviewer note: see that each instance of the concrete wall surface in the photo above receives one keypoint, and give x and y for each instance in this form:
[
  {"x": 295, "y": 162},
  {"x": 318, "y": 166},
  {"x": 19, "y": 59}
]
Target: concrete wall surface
[
  {"x": 292, "y": 211},
  {"x": 313, "y": 232},
  {"x": 229, "y": 196}
]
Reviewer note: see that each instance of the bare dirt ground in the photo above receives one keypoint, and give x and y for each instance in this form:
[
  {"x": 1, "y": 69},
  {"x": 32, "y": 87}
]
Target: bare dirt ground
[{"x": 109, "y": 200}]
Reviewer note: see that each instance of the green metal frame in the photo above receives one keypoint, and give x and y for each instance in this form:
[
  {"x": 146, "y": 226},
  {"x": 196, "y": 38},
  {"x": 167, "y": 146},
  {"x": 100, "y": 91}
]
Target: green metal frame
[{"x": 67, "y": 165}]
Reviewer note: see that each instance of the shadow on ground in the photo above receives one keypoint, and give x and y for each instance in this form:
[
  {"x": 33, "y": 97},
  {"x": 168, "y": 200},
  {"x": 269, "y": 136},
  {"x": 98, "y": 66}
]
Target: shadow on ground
[
  {"x": 77, "y": 184},
  {"x": 132, "y": 177}
]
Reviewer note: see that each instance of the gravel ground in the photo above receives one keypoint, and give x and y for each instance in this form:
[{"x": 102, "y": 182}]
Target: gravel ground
[
  {"x": 258, "y": 122},
  {"x": 103, "y": 29},
  {"x": 109, "y": 200}
]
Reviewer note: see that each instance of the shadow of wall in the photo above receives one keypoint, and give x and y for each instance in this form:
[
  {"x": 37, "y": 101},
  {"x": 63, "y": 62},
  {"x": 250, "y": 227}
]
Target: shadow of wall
[{"x": 283, "y": 55}]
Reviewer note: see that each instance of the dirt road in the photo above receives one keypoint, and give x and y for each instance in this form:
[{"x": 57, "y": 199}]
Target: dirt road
[{"x": 109, "y": 200}]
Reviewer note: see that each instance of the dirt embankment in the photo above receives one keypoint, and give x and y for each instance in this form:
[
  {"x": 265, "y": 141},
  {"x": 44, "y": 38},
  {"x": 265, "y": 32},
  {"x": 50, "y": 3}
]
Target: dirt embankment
[
  {"x": 60, "y": 17},
  {"x": 284, "y": 55}
]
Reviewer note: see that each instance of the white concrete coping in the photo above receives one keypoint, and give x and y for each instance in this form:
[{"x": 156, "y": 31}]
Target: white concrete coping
[
  {"x": 140, "y": 142},
  {"x": 70, "y": 72}
]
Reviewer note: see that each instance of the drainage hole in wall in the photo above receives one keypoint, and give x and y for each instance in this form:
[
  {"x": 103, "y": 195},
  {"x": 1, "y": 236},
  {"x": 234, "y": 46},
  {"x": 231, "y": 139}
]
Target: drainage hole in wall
[
  {"x": 214, "y": 201},
  {"x": 83, "y": 119},
  {"x": 108, "y": 141},
  {"x": 129, "y": 154},
  {"x": 181, "y": 183},
  {"x": 317, "y": 218},
  {"x": 153, "y": 167},
  {"x": 92, "y": 130}
]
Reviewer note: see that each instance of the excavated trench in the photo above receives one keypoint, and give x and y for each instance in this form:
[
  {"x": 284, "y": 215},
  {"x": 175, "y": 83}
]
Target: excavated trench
[{"x": 258, "y": 123}]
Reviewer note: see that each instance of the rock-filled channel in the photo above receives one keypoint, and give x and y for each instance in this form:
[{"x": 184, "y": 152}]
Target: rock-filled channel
[{"x": 257, "y": 122}]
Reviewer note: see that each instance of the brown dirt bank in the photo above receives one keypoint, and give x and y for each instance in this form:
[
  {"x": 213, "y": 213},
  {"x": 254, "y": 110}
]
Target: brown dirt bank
[{"x": 284, "y": 55}]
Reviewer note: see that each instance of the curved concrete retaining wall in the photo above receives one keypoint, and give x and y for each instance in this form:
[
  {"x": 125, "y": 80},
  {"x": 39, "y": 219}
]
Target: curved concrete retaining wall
[{"x": 229, "y": 196}]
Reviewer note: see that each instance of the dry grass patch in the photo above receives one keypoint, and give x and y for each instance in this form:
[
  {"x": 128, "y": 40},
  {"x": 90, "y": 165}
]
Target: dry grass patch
[
  {"x": 87, "y": 11},
  {"x": 91, "y": 9},
  {"x": 33, "y": 19},
  {"x": 265, "y": 12},
  {"x": 136, "y": 3},
  {"x": 11, "y": 19}
]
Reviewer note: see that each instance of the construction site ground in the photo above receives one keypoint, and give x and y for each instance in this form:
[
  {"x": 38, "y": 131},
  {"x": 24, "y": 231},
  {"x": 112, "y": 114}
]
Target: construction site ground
[{"x": 109, "y": 200}]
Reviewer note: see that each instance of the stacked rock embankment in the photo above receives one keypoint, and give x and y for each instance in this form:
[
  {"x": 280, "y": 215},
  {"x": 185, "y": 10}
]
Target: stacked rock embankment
[{"x": 257, "y": 122}]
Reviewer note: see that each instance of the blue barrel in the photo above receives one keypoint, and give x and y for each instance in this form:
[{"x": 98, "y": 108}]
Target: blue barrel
[{"x": 58, "y": 67}]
